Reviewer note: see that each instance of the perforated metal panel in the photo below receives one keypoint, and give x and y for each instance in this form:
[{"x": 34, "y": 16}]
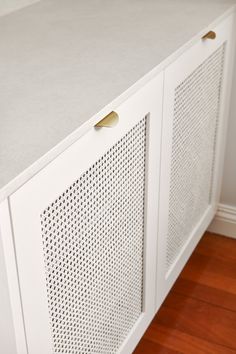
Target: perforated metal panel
[
  {"x": 93, "y": 236},
  {"x": 196, "y": 110}
]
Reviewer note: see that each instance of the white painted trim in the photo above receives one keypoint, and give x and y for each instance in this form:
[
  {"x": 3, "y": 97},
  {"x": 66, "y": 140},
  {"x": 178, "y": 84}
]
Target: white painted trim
[{"x": 224, "y": 222}]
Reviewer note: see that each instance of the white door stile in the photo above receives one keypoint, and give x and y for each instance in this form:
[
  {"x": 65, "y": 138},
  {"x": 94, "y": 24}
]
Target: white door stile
[{"x": 151, "y": 211}]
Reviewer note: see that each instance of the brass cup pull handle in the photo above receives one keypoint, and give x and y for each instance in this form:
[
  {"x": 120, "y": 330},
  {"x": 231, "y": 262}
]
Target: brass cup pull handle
[
  {"x": 209, "y": 35},
  {"x": 109, "y": 121}
]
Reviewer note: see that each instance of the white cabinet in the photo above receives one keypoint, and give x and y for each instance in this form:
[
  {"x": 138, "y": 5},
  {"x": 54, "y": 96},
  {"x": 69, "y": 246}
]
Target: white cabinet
[
  {"x": 85, "y": 231},
  {"x": 95, "y": 240},
  {"x": 194, "y": 115}
]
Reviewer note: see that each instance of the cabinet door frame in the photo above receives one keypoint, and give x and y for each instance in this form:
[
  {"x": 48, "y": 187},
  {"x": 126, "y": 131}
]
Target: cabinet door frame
[
  {"x": 174, "y": 74},
  {"x": 31, "y": 199}
]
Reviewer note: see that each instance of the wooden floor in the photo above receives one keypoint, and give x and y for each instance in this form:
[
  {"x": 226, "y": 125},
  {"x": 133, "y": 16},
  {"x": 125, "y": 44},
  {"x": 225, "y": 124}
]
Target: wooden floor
[{"x": 199, "y": 314}]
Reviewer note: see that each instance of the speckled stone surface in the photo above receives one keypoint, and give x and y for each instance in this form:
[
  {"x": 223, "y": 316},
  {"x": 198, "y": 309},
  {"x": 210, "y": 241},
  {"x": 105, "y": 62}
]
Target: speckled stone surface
[{"x": 62, "y": 61}]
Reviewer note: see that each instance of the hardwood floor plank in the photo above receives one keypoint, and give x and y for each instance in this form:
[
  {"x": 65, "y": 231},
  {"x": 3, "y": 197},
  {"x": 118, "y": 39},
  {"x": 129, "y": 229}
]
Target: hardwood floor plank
[
  {"x": 208, "y": 271},
  {"x": 182, "y": 342},
  {"x": 200, "y": 319},
  {"x": 211, "y": 264},
  {"x": 220, "y": 247},
  {"x": 147, "y": 346},
  {"x": 199, "y": 314},
  {"x": 193, "y": 289}
]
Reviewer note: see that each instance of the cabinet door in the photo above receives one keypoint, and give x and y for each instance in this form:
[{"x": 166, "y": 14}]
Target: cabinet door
[
  {"x": 193, "y": 129},
  {"x": 85, "y": 236}
]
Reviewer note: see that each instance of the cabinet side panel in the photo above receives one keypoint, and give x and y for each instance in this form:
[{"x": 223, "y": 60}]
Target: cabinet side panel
[
  {"x": 12, "y": 333},
  {"x": 7, "y": 337}
]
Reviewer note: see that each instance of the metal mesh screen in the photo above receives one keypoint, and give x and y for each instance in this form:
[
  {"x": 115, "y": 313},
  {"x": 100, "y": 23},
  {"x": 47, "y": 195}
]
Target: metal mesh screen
[
  {"x": 93, "y": 236},
  {"x": 196, "y": 110}
]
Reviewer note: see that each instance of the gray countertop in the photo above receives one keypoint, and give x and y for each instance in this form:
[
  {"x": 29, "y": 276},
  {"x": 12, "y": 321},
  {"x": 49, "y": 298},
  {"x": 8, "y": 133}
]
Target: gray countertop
[{"x": 63, "y": 61}]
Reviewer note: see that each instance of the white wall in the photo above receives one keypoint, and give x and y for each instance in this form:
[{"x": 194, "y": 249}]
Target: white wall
[
  {"x": 228, "y": 194},
  {"x": 7, "y": 6},
  {"x": 224, "y": 222}
]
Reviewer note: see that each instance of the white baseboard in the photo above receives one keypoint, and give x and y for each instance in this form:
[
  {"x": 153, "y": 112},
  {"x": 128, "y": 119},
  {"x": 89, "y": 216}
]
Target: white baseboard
[{"x": 224, "y": 222}]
